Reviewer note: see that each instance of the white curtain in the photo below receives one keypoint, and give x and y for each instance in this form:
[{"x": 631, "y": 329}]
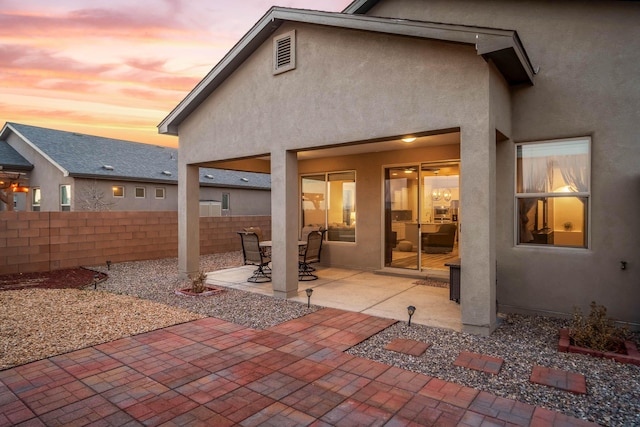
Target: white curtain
[{"x": 574, "y": 171}]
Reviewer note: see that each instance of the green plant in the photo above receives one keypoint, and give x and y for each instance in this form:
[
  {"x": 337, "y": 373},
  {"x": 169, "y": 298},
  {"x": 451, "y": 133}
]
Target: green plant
[
  {"x": 597, "y": 331},
  {"x": 568, "y": 226},
  {"x": 198, "y": 282}
]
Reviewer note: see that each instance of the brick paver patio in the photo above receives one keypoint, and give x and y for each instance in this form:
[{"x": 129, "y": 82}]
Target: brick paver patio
[{"x": 213, "y": 373}]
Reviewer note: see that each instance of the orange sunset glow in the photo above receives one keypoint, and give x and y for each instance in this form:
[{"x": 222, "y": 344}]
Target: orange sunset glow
[{"x": 116, "y": 68}]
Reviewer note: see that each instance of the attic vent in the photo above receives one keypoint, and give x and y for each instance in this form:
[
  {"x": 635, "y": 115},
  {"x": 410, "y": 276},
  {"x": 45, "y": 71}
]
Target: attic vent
[
  {"x": 209, "y": 176},
  {"x": 107, "y": 167},
  {"x": 166, "y": 173},
  {"x": 284, "y": 52},
  {"x": 244, "y": 179}
]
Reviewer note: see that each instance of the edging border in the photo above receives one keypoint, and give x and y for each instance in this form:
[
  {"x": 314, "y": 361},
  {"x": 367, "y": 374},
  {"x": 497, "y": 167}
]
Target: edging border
[{"x": 632, "y": 356}]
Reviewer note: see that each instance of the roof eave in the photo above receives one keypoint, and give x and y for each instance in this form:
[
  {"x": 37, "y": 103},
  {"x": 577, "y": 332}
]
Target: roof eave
[
  {"x": 511, "y": 60},
  {"x": 15, "y": 168}
]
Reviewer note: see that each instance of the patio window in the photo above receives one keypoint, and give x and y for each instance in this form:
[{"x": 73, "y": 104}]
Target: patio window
[
  {"x": 36, "y": 195},
  {"x": 329, "y": 201},
  {"x": 553, "y": 190},
  {"x": 65, "y": 197}
]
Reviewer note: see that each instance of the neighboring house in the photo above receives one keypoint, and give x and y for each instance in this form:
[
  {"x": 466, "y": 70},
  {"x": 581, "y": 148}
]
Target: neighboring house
[
  {"x": 519, "y": 122},
  {"x": 67, "y": 171}
]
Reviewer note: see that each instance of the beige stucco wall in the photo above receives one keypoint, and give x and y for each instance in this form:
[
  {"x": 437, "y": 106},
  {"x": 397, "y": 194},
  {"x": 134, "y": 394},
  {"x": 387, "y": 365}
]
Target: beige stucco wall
[
  {"x": 242, "y": 201},
  {"x": 348, "y": 86},
  {"x": 587, "y": 85}
]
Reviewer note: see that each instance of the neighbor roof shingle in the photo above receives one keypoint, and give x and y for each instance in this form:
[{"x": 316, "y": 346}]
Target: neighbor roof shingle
[{"x": 83, "y": 155}]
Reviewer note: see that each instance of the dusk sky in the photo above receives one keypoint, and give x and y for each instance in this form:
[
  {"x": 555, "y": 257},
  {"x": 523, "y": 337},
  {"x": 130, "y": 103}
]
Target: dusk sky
[{"x": 116, "y": 68}]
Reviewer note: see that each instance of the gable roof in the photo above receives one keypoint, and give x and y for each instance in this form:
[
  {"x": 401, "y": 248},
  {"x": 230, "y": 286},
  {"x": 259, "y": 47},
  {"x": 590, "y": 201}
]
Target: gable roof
[
  {"x": 503, "y": 47},
  {"x": 11, "y": 160},
  {"x": 87, "y": 156}
]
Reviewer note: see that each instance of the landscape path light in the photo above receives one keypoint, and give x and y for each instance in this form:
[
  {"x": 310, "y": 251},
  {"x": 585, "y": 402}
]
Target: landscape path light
[
  {"x": 309, "y": 291},
  {"x": 411, "y": 309}
]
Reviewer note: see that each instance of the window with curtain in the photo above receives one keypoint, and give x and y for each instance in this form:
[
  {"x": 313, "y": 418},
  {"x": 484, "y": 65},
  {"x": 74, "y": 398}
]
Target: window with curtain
[
  {"x": 329, "y": 202},
  {"x": 65, "y": 197},
  {"x": 553, "y": 190}
]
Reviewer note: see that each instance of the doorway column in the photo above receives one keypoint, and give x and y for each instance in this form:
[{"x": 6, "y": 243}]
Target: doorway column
[
  {"x": 478, "y": 227},
  {"x": 284, "y": 223},
  {"x": 188, "y": 219}
]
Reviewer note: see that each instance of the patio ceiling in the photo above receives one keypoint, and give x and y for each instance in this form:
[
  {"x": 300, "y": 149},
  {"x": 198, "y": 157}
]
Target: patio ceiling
[{"x": 262, "y": 163}]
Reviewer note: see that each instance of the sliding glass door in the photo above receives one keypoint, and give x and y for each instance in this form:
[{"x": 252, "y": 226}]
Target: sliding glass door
[
  {"x": 401, "y": 214},
  {"x": 421, "y": 215}
]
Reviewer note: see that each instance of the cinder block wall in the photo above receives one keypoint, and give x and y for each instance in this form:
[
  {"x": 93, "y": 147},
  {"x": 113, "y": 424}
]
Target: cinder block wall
[{"x": 43, "y": 241}]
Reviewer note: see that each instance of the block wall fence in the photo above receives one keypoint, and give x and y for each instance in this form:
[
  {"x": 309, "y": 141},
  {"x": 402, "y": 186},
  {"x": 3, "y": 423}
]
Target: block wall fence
[{"x": 44, "y": 241}]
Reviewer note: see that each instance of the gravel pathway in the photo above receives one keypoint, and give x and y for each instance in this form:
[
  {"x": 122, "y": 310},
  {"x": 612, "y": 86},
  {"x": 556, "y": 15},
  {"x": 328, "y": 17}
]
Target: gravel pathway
[{"x": 522, "y": 341}]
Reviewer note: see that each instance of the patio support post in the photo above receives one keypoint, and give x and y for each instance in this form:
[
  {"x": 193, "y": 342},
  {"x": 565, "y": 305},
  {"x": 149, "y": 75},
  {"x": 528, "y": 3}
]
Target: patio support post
[
  {"x": 478, "y": 227},
  {"x": 188, "y": 219},
  {"x": 284, "y": 223}
]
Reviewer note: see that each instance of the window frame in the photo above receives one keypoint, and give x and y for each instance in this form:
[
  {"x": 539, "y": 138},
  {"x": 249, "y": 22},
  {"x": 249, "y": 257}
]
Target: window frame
[
  {"x": 35, "y": 207},
  {"x": 114, "y": 188},
  {"x": 144, "y": 192},
  {"x": 225, "y": 203},
  {"x": 164, "y": 193},
  {"x": 587, "y": 195},
  {"x": 327, "y": 200},
  {"x": 64, "y": 207}
]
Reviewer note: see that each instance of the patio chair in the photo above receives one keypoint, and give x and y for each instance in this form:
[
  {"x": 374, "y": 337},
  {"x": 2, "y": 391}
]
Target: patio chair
[
  {"x": 311, "y": 255},
  {"x": 253, "y": 255},
  {"x": 266, "y": 251}
]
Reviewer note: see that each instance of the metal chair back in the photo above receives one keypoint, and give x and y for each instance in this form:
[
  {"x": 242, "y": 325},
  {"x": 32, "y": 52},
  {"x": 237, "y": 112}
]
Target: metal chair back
[{"x": 251, "y": 248}]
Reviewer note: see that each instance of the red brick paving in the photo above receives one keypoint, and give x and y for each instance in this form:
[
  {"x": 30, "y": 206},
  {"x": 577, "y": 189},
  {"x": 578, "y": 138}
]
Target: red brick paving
[
  {"x": 412, "y": 347},
  {"x": 557, "y": 378},
  {"x": 211, "y": 372},
  {"x": 479, "y": 362}
]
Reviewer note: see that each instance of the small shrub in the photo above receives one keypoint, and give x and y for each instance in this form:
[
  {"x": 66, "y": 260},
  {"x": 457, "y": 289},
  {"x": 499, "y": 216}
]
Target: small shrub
[
  {"x": 198, "y": 282},
  {"x": 597, "y": 331}
]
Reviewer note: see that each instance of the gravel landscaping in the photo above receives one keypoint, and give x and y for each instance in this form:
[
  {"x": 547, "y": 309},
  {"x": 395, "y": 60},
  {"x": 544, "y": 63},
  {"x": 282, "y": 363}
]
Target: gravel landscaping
[{"x": 140, "y": 296}]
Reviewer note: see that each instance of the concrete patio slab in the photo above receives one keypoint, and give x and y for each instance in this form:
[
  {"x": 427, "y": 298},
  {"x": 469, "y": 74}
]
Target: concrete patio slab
[{"x": 360, "y": 291}]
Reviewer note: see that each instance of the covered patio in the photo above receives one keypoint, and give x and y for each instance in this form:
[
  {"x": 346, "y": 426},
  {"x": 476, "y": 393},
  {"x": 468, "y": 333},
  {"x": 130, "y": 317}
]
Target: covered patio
[{"x": 446, "y": 87}]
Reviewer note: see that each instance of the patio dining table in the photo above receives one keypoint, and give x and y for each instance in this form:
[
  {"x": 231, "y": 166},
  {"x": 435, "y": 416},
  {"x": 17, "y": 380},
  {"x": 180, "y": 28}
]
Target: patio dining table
[{"x": 269, "y": 243}]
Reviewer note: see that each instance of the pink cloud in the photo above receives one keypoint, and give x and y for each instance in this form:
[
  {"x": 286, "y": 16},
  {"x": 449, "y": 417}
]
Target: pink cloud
[{"x": 34, "y": 58}]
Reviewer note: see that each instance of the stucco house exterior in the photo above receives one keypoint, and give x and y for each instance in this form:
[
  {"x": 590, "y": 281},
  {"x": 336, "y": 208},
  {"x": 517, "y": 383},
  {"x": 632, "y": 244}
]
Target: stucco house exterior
[
  {"x": 67, "y": 171},
  {"x": 513, "y": 121}
]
